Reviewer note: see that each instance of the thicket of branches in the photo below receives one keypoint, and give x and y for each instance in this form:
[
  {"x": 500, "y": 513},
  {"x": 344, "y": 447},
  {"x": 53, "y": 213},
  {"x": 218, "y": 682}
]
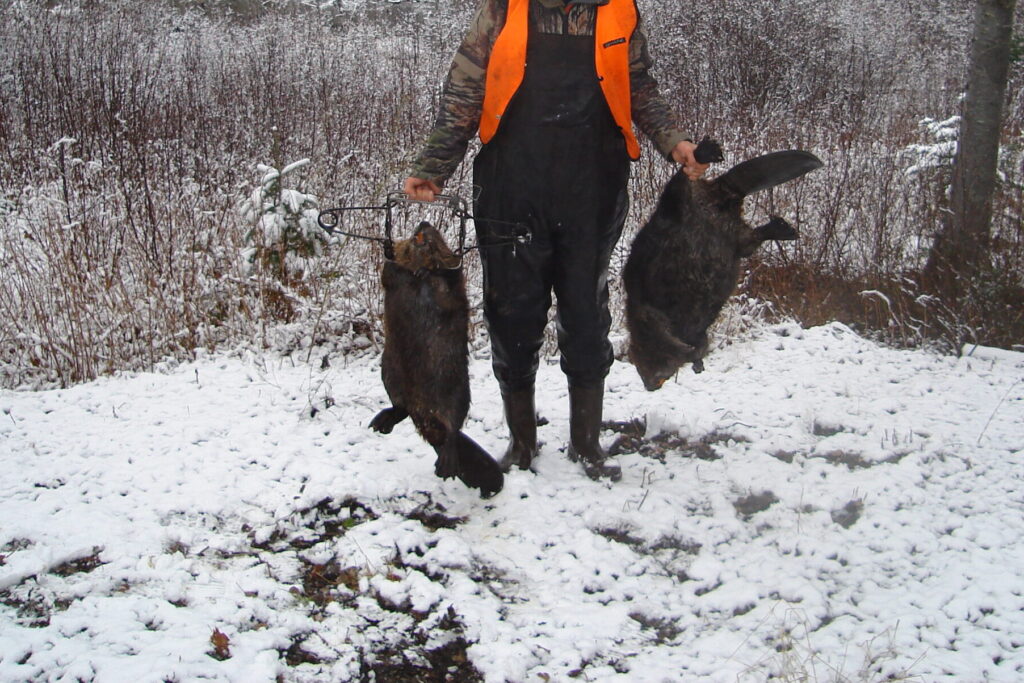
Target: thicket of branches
[{"x": 131, "y": 135}]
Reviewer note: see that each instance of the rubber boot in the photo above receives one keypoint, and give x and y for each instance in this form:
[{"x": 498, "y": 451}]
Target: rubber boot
[
  {"x": 585, "y": 431},
  {"x": 521, "y": 416}
]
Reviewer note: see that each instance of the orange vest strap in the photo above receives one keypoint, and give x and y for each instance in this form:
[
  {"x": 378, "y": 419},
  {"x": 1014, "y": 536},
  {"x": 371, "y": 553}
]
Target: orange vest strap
[
  {"x": 615, "y": 24},
  {"x": 506, "y": 67}
]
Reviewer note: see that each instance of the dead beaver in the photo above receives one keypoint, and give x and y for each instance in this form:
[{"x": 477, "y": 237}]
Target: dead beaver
[
  {"x": 685, "y": 261},
  {"x": 425, "y": 360}
]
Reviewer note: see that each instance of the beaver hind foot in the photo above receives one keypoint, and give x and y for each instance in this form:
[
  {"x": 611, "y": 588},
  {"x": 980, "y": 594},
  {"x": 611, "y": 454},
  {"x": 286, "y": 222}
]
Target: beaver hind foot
[
  {"x": 386, "y": 419},
  {"x": 462, "y": 457}
]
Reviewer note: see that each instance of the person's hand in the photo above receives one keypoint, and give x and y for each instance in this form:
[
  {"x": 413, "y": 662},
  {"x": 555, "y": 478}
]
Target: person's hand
[
  {"x": 421, "y": 189},
  {"x": 683, "y": 154}
]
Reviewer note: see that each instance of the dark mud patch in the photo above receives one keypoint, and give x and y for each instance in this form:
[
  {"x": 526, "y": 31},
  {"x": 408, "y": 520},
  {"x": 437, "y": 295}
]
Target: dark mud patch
[
  {"x": 848, "y": 515},
  {"x": 631, "y": 440},
  {"x": 662, "y": 629},
  {"x": 856, "y": 461},
  {"x": 319, "y": 523},
  {"x": 414, "y": 660},
  {"x": 748, "y": 506},
  {"x": 81, "y": 565}
]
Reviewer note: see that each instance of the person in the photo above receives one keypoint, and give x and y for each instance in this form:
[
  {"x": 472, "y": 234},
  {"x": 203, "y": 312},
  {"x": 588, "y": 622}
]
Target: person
[{"x": 553, "y": 88}]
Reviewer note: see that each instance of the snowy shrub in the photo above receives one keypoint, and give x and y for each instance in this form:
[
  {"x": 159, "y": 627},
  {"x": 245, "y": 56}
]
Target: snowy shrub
[
  {"x": 286, "y": 236},
  {"x": 939, "y": 152}
]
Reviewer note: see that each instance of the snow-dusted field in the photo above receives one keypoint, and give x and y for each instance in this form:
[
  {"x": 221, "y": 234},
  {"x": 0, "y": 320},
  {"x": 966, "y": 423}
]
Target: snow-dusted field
[{"x": 813, "y": 504}]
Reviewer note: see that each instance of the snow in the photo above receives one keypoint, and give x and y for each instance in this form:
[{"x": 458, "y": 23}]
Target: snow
[{"x": 812, "y": 504}]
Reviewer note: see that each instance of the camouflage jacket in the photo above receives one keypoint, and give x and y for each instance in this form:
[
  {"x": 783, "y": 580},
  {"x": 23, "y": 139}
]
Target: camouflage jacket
[{"x": 458, "y": 118}]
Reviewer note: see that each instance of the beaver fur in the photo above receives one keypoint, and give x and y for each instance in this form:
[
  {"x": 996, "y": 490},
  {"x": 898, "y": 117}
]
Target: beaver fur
[
  {"x": 425, "y": 361},
  {"x": 684, "y": 263}
]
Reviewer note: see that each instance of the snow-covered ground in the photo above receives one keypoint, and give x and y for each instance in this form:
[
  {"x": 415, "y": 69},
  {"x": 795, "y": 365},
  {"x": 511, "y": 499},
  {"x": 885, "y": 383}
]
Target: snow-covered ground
[{"x": 812, "y": 505}]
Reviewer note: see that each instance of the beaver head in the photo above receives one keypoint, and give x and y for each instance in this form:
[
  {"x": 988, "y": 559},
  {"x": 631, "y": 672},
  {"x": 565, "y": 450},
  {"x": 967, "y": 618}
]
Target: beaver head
[{"x": 425, "y": 251}]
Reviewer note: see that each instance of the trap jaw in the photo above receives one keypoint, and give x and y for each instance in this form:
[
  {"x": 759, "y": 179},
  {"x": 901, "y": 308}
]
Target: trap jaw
[{"x": 330, "y": 219}]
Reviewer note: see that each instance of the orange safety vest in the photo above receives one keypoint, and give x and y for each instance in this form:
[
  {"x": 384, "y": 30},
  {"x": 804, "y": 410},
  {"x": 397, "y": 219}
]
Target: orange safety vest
[{"x": 507, "y": 65}]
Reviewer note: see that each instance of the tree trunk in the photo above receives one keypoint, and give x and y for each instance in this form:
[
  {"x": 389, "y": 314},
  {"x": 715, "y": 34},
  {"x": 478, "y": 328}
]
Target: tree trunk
[{"x": 961, "y": 248}]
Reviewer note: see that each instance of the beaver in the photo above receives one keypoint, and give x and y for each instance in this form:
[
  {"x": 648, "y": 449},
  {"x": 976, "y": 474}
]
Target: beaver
[
  {"x": 425, "y": 361},
  {"x": 684, "y": 263}
]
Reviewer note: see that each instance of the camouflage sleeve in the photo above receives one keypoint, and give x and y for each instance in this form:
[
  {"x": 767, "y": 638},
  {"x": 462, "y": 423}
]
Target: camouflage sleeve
[
  {"x": 650, "y": 111},
  {"x": 458, "y": 116}
]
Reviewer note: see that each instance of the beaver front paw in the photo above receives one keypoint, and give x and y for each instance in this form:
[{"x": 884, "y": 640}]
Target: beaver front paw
[{"x": 386, "y": 419}]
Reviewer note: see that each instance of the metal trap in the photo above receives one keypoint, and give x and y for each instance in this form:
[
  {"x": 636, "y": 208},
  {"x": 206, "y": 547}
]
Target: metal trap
[{"x": 450, "y": 213}]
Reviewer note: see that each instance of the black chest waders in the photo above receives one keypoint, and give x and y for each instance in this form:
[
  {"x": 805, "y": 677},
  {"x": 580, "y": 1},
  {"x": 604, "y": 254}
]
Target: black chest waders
[{"x": 558, "y": 164}]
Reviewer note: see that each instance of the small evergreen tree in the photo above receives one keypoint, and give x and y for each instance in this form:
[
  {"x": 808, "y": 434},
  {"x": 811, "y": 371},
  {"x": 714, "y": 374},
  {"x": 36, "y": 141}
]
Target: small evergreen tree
[{"x": 285, "y": 234}]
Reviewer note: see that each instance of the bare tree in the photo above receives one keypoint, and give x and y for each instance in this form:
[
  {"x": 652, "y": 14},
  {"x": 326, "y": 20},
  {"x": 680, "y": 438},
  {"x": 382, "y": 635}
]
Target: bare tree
[{"x": 960, "y": 251}]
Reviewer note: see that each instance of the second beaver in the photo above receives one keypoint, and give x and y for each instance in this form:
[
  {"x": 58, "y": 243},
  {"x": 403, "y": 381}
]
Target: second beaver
[
  {"x": 425, "y": 361},
  {"x": 685, "y": 261}
]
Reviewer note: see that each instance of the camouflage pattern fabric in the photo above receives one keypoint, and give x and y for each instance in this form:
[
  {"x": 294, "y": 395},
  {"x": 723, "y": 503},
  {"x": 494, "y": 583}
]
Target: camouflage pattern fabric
[{"x": 459, "y": 115}]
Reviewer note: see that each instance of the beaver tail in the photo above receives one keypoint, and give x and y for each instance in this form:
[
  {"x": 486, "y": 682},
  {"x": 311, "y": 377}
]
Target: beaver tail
[{"x": 476, "y": 468}]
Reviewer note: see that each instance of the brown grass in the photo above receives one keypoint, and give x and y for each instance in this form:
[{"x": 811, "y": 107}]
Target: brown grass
[{"x": 130, "y": 133}]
